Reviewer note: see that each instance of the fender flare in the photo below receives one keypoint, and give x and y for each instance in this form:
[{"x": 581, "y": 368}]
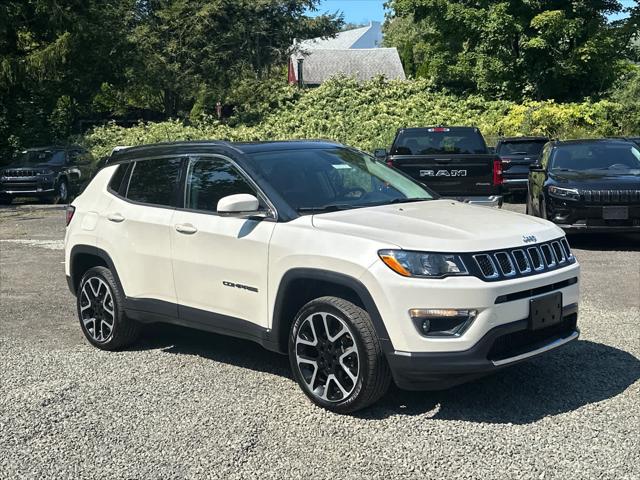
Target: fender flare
[
  {"x": 279, "y": 323},
  {"x": 90, "y": 250}
]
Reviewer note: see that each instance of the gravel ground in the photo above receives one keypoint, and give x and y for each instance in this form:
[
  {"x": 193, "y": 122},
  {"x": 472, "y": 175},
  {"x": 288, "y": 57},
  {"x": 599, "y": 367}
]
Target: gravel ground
[{"x": 185, "y": 404}]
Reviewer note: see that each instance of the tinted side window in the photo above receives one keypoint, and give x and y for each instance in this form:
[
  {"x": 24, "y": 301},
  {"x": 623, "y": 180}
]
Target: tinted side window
[
  {"x": 155, "y": 181},
  {"x": 116, "y": 181},
  {"x": 209, "y": 180}
]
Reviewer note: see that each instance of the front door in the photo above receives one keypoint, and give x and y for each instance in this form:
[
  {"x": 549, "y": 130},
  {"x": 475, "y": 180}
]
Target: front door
[{"x": 219, "y": 261}]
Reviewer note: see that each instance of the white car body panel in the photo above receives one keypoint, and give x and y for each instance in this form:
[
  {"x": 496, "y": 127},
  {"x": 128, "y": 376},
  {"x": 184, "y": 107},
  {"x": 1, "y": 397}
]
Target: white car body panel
[
  {"x": 214, "y": 266},
  {"x": 154, "y": 261}
]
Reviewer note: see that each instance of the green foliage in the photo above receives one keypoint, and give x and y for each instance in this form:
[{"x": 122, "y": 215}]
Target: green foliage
[
  {"x": 563, "y": 50},
  {"x": 368, "y": 115},
  {"x": 64, "y": 61}
]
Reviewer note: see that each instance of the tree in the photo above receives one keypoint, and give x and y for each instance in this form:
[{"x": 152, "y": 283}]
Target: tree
[
  {"x": 563, "y": 49},
  {"x": 191, "y": 49}
]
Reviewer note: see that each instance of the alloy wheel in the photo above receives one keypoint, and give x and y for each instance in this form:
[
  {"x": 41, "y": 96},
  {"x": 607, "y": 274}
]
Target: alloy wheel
[
  {"x": 63, "y": 192},
  {"x": 327, "y": 357},
  {"x": 97, "y": 311}
]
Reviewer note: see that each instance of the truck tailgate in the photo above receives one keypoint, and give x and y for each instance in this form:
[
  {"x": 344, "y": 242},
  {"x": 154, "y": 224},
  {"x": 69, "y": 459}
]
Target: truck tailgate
[{"x": 450, "y": 175}]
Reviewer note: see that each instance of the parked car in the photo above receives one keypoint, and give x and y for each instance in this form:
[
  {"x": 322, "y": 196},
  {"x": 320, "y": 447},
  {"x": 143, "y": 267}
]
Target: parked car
[
  {"x": 587, "y": 185},
  {"x": 319, "y": 251},
  {"x": 56, "y": 173},
  {"x": 453, "y": 161},
  {"x": 517, "y": 154}
]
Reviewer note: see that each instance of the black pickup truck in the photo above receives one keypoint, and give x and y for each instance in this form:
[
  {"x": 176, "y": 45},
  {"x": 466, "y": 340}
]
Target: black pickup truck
[
  {"x": 517, "y": 155},
  {"x": 453, "y": 161}
]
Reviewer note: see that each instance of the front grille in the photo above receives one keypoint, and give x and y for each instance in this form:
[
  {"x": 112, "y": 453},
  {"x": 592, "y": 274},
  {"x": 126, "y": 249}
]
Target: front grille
[
  {"x": 610, "y": 196},
  {"x": 20, "y": 173},
  {"x": 523, "y": 341},
  {"x": 506, "y": 265},
  {"x": 558, "y": 251},
  {"x": 548, "y": 255},
  {"x": 519, "y": 262},
  {"x": 487, "y": 267},
  {"x": 567, "y": 249}
]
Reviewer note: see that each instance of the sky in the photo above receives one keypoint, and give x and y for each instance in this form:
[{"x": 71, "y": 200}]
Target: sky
[{"x": 362, "y": 11}]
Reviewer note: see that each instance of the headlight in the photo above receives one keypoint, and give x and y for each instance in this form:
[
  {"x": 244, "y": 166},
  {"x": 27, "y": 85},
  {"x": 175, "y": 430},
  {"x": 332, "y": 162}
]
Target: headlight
[
  {"x": 564, "y": 193},
  {"x": 423, "y": 264}
]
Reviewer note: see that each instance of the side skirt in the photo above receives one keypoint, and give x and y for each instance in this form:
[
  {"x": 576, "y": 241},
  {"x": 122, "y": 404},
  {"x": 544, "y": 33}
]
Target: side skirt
[{"x": 158, "y": 311}]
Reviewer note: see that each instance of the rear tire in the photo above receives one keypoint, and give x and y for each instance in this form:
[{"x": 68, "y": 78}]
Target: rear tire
[
  {"x": 336, "y": 356},
  {"x": 101, "y": 313}
]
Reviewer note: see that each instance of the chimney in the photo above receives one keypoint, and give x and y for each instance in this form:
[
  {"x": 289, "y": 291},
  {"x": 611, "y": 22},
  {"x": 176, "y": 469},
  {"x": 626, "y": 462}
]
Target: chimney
[{"x": 300, "y": 79}]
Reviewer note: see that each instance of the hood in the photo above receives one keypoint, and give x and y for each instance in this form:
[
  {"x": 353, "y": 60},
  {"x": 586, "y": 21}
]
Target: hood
[
  {"x": 596, "y": 180},
  {"x": 439, "y": 225}
]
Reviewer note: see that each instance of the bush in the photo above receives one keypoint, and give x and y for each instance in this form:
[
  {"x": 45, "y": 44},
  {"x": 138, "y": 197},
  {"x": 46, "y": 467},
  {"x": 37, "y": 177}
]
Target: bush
[{"x": 368, "y": 115}]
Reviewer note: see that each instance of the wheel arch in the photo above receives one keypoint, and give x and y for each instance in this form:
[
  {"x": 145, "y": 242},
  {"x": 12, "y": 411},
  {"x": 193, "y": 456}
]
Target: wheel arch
[
  {"x": 299, "y": 286},
  {"x": 84, "y": 257}
]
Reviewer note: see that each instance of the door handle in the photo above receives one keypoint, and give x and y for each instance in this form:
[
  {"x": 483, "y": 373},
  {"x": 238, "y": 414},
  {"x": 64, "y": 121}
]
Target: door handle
[
  {"x": 115, "y": 217},
  {"x": 186, "y": 228}
]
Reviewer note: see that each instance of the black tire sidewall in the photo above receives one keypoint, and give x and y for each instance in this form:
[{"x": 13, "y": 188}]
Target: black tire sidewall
[
  {"x": 56, "y": 198},
  {"x": 363, "y": 365},
  {"x": 105, "y": 275}
]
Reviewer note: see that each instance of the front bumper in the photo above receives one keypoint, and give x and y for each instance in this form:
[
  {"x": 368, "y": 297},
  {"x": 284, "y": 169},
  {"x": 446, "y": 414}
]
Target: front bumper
[
  {"x": 574, "y": 217},
  {"x": 27, "y": 187},
  {"x": 515, "y": 184},
  {"x": 500, "y": 347},
  {"x": 494, "y": 201}
]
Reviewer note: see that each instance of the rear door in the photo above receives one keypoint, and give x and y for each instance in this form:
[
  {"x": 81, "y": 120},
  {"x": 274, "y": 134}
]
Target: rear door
[
  {"x": 220, "y": 262},
  {"x": 136, "y": 229}
]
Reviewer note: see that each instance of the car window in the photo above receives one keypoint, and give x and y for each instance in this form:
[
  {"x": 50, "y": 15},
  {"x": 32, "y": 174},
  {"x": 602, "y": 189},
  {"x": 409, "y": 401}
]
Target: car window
[
  {"x": 155, "y": 182},
  {"x": 115, "y": 183},
  {"x": 321, "y": 177},
  {"x": 435, "y": 141},
  {"x": 209, "y": 180},
  {"x": 532, "y": 148},
  {"x": 597, "y": 156}
]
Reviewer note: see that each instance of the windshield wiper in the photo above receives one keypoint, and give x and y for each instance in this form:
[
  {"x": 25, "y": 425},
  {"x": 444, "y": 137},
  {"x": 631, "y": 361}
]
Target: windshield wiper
[
  {"x": 333, "y": 207},
  {"x": 406, "y": 200}
]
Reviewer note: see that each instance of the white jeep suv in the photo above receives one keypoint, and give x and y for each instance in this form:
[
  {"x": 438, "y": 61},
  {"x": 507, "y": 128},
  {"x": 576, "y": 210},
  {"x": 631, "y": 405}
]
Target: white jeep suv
[{"x": 319, "y": 251}]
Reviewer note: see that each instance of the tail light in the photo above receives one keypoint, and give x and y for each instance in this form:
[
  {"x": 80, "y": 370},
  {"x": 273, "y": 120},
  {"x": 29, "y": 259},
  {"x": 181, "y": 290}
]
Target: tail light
[
  {"x": 497, "y": 172},
  {"x": 70, "y": 211},
  {"x": 390, "y": 163}
]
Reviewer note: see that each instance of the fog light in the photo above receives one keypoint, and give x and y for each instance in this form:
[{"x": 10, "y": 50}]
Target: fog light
[{"x": 442, "y": 322}]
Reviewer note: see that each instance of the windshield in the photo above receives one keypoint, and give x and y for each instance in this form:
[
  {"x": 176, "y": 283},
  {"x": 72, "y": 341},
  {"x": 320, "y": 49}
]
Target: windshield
[
  {"x": 532, "y": 148},
  {"x": 335, "y": 179},
  {"x": 436, "y": 141},
  {"x": 610, "y": 157},
  {"x": 41, "y": 157}
]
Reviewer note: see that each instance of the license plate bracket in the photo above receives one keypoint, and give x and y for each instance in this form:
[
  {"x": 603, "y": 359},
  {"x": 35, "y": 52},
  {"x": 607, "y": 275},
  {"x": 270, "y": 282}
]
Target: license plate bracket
[
  {"x": 615, "y": 213},
  {"x": 545, "y": 311}
]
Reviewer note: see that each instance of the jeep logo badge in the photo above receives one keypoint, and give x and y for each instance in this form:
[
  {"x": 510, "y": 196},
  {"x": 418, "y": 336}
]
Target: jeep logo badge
[{"x": 529, "y": 239}]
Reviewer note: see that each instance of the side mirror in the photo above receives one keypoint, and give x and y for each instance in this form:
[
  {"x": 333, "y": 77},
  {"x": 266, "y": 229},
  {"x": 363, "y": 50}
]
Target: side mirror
[
  {"x": 239, "y": 203},
  {"x": 380, "y": 153}
]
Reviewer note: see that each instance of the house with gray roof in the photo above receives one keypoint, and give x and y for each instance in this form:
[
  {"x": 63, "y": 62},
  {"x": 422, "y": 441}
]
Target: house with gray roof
[{"x": 355, "y": 53}]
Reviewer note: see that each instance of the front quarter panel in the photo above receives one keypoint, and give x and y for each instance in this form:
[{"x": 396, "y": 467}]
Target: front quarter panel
[{"x": 298, "y": 244}]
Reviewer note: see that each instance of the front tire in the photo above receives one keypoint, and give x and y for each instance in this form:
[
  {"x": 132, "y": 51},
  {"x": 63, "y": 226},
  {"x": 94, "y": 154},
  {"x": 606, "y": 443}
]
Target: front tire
[
  {"x": 62, "y": 192},
  {"x": 336, "y": 356},
  {"x": 101, "y": 313}
]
